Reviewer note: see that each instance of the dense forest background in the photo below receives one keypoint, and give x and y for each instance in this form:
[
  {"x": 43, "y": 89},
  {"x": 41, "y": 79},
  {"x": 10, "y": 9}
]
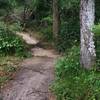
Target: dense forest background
[{"x": 72, "y": 82}]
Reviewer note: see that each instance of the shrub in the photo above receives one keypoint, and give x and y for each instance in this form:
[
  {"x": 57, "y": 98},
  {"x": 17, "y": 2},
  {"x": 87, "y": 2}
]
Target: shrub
[
  {"x": 10, "y": 43},
  {"x": 70, "y": 27},
  {"x": 47, "y": 34},
  {"x": 16, "y": 26},
  {"x": 96, "y": 30},
  {"x": 68, "y": 36},
  {"x": 73, "y": 82},
  {"x": 68, "y": 63}
]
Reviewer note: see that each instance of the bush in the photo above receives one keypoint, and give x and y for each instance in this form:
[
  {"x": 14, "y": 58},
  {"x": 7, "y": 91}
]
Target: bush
[
  {"x": 68, "y": 36},
  {"x": 68, "y": 63},
  {"x": 70, "y": 25},
  {"x": 96, "y": 30},
  {"x": 16, "y": 26},
  {"x": 47, "y": 34},
  {"x": 73, "y": 82},
  {"x": 10, "y": 43}
]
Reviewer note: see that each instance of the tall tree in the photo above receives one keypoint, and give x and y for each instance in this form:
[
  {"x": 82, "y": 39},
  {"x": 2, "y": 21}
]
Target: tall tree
[
  {"x": 56, "y": 18},
  {"x": 87, "y": 16}
]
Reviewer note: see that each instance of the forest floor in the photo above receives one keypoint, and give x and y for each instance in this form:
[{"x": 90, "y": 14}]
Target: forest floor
[{"x": 36, "y": 74}]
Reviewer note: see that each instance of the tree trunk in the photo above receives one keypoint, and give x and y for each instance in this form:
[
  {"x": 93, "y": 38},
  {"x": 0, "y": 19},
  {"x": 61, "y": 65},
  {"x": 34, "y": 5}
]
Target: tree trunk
[
  {"x": 87, "y": 16},
  {"x": 56, "y": 19}
]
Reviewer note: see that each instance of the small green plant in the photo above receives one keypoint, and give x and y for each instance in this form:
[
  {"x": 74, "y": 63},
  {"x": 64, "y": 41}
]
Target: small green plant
[
  {"x": 10, "y": 43},
  {"x": 9, "y": 69},
  {"x": 47, "y": 20},
  {"x": 3, "y": 79},
  {"x": 96, "y": 29},
  {"x": 73, "y": 82}
]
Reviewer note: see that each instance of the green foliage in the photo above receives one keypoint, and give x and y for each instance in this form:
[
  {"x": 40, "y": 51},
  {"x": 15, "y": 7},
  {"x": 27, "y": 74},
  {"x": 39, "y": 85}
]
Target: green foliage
[
  {"x": 13, "y": 3},
  {"x": 96, "y": 30},
  {"x": 5, "y": 4},
  {"x": 47, "y": 34},
  {"x": 68, "y": 63},
  {"x": 10, "y": 43},
  {"x": 9, "y": 69},
  {"x": 68, "y": 36},
  {"x": 73, "y": 82},
  {"x": 66, "y": 4},
  {"x": 44, "y": 9},
  {"x": 97, "y": 11},
  {"x": 8, "y": 66},
  {"x": 46, "y": 29},
  {"x": 70, "y": 25},
  {"x": 3, "y": 79},
  {"x": 15, "y": 27},
  {"x": 48, "y": 20},
  {"x": 5, "y": 7},
  {"x": 33, "y": 4}
]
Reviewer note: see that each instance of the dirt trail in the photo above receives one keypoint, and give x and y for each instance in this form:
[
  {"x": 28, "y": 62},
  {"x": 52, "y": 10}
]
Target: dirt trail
[
  {"x": 33, "y": 79},
  {"x": 28, "y": 39}
]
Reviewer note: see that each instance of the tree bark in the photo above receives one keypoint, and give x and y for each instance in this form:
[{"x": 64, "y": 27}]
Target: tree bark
[
  {"x": 56, "y": 18},
  {"x": 87, "y": 17}
]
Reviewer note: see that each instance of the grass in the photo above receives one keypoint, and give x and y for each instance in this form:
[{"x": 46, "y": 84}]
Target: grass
[
  {"x": 8, "y": 66},
  {"x": 73, "y": 82}
]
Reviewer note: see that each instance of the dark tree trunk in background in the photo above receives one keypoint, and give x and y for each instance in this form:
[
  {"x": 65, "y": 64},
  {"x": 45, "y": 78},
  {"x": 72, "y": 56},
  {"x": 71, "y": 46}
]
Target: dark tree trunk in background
[
  {"x": 87, "y": 16},
  {"x": 56, "y": 18}
]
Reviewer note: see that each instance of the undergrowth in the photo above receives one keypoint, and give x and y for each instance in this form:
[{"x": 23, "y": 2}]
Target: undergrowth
[
  {"x": 8, "y": 66},
  {"x": 12, "y": 50},
  {"x": 96, "y": 30},
  {"x": 73, "y": 82},
  {"x": 10, "y": 43}
]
